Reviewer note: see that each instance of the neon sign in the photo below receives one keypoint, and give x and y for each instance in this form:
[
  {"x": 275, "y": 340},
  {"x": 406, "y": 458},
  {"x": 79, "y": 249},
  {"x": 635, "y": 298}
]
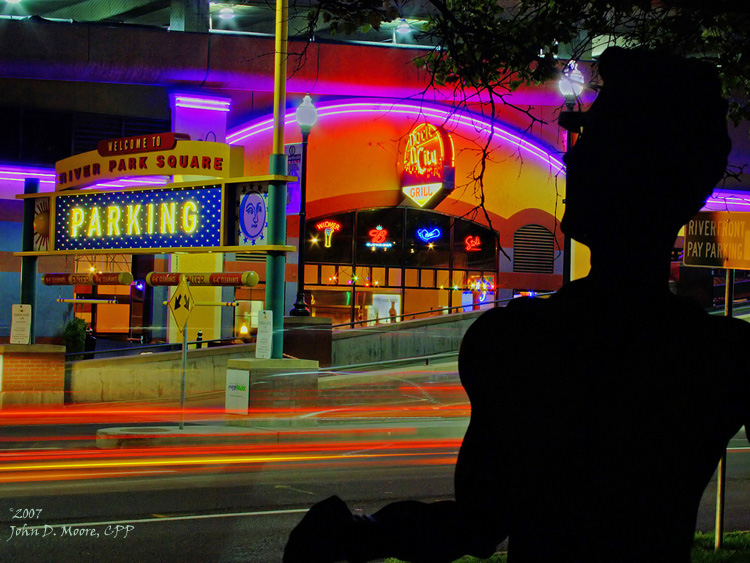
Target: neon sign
[
  {"x": 429, "y": 151},
  {"x": 473, "y": 244},
  {"x": 171, "y": 218},
  {"x": 120, "y": 159},
  {"x": 328, "y": 228},
  {"x": 377, "y": 238},
  {"x": 427, "y": 235}
]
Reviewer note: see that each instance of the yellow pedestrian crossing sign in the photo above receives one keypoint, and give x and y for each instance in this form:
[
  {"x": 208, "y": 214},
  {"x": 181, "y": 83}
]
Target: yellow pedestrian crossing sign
[{"x": 181, "y": 303}]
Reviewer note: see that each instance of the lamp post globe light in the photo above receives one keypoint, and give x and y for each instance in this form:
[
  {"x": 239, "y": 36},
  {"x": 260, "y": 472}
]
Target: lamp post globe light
[
  {"x": 570, "y": 86},
  {"x": 306, "y": 116}
]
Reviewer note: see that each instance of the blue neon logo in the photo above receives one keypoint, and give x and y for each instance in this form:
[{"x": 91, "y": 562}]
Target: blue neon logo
[{"x": 428, "y": 235}]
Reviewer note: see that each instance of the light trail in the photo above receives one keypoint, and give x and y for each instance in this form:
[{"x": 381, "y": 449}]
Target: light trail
[
  {"x": 120, "y": 416},
  {"x": 26, "y": 466}
]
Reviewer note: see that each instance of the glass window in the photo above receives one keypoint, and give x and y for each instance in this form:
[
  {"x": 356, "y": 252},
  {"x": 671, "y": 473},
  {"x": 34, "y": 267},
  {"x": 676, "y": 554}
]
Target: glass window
[
  {"x": 329, "y": 239},
  {"x": 427, "y": 278},
  {"x": 426, "y": 239},
  {"x": 412, "y": 278},
  {"x": 328, "y": 275},
  {"x": 459, "y": 280},
  {"x": 333, "y": 304},
  {"x": 473, "y": 246},
  {"x": 378, "y": 277},
  {"x": 362, "y": 275},
  {"x": 394, "y": 277},
  {"x": 442, "y": 279},
  {"x": 379, "y": 237},
  {"x": 344, "y": 275},
  {"x": 311, "y": 273}
]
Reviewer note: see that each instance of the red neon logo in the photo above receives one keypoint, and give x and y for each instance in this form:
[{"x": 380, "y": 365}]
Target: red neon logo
[
  {"x": 377, "y": 235},
  {"x": 473, "y": 244}
]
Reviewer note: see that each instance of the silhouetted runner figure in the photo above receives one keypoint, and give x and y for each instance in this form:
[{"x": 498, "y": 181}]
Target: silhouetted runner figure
[{"x": 599, "y": 414}]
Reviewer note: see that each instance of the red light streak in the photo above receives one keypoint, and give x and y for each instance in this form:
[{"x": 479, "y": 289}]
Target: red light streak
[{"x": 85, "y": 464}]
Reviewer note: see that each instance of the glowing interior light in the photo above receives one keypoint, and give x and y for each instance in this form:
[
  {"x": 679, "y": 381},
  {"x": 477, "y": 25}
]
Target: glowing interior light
[
  {"x": 572, "y": 81},
  {"x": 244, "y": 330},
  {"x": 194, "y": 102},
  {"x": 226, "y": 13},
  {"x": 403, "y": 27}
]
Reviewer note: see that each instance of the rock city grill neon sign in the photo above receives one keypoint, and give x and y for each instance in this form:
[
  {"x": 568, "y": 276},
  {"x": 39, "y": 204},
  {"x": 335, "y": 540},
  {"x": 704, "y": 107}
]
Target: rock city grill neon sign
[{"x": 429, "y": 151}]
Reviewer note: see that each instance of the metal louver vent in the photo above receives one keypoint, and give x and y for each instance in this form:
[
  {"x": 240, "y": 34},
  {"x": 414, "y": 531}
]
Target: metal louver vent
[
  {"x": 248, "y": 257},
  {"x": 533, "y": 250}
]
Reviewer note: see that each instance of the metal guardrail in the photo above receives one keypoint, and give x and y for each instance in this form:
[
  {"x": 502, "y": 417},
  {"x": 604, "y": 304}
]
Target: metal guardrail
[
  {"x": 176, "y": 346},
  {"x": 431, "y": 312}
]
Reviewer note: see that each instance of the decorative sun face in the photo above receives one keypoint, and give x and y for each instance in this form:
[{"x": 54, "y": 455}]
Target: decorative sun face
[{"x": 41, "y": 225}]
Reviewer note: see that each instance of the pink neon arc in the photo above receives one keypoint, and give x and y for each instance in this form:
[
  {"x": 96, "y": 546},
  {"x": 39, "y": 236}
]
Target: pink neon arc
[
  {"x": 201, "y": 103},
  {"x": 446, "y": 118},
  {"x": 722, "y": 200}
]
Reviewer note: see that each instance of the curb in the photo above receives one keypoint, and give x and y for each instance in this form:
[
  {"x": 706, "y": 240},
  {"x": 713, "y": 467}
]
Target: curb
[{"x": 212, "y": 434}]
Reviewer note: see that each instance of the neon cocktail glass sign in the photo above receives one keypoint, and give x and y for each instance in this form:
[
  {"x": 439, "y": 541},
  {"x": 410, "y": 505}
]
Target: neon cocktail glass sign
[
  {"x": 159, "y": 218},
  {"x": 328, "y": 228}
]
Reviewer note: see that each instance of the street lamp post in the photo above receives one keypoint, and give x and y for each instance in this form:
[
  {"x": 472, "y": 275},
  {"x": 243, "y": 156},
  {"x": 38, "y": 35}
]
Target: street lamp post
[
  {"x": 306, "y": 116},
  {"x": 571, "y": 86}
]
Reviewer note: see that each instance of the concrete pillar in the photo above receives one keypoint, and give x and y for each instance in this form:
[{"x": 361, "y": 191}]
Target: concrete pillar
[{"x": 189, "y": 15}]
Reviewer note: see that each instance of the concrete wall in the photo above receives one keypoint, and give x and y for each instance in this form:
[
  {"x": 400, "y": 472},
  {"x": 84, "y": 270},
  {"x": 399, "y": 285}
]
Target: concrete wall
[
  {"x": 407, "y": 339},
  {"x": 151, "y": 376},
  {"x": 159, "y": 376}
]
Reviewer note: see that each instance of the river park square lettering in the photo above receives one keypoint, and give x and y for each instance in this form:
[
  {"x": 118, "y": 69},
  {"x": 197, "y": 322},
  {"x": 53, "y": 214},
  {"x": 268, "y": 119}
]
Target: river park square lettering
[
  {"x": 194, "y": 158},
  {"x": 152, "y": 218}
]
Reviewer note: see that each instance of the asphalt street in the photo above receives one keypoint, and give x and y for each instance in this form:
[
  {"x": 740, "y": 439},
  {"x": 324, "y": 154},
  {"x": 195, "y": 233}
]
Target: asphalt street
[{"x": 227, "y": 513}]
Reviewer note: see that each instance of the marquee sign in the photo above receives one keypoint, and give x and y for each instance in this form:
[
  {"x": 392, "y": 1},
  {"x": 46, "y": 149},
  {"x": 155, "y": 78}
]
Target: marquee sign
[
  {"x": 151, "y": 218},
  {"x": 428, "y": 165},
  {"x": 148, "y": 155}
]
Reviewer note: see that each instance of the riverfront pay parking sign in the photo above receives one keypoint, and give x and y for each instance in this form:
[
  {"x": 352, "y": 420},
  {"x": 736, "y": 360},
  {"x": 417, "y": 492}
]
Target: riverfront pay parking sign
[{"x": 718, "y": 239}]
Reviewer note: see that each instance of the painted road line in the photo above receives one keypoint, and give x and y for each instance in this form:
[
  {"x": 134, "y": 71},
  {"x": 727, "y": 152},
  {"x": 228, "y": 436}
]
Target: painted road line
[{"x": 173, "y": 518}]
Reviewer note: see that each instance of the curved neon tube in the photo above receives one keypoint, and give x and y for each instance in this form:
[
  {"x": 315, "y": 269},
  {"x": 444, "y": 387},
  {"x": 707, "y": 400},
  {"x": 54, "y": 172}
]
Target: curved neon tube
[{"x": 446, "y": 116}]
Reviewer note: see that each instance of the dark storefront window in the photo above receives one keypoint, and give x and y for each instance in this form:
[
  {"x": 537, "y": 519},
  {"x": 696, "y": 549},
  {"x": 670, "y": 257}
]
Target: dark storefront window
[
  {"x": 382, "y": 265},
  {"x": 427, "y": 240},
  {"x": 379, "y": 237},
  {"x": 329, "y": 239},
  {"x": 473, "y": 247}
]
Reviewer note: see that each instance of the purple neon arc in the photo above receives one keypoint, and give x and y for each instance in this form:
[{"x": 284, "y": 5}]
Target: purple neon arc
[{"x": 445, "y": 117}]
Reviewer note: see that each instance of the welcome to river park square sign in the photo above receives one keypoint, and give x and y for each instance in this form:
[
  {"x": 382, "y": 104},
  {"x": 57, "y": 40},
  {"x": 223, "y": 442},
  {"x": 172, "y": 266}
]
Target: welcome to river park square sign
[{"x": 198, "y": 216}]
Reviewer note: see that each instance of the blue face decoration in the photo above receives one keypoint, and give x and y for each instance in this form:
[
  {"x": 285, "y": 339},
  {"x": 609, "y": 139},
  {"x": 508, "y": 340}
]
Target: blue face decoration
[{"x": 253, "y": 218}]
